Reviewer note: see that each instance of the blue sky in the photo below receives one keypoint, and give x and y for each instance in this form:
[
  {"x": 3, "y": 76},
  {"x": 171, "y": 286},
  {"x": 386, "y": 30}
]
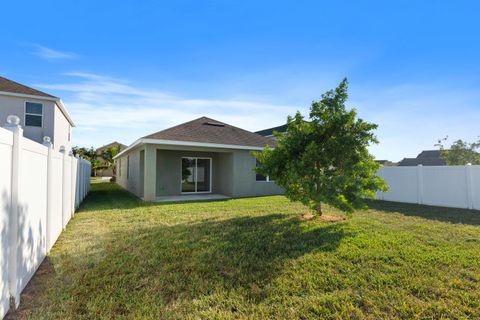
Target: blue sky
[{"x": 129, "y": 68}]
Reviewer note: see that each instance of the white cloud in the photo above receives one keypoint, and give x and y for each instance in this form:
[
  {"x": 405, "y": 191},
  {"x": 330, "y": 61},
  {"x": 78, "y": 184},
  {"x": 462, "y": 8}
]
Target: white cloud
[
  {"x": 410, "y": 117},
  {"x": 106, "y": 109},
  {"x": 50, "y": 54}
]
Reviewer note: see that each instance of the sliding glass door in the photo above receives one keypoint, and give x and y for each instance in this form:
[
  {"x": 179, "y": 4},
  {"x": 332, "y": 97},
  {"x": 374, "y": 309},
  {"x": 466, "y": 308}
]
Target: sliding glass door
[{"x": 196, "y": 175}]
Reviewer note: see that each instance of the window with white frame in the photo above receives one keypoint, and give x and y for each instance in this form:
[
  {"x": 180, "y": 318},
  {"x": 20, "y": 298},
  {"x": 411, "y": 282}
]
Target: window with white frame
[
  {"x": 33, "y": 114},
  {"x": 261, "y": 177}
]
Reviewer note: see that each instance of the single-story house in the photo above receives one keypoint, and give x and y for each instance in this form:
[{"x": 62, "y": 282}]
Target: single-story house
[
  {"x": 425, "y": 158},
  {"x": 203, "y": 158},
  {"x": 103, "y": 170},
  {"x": 269, "y": 132}
]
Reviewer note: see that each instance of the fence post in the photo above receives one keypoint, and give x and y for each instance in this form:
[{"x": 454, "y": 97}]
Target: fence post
[
  {"x": 80, "y": 179},
  {"x": 64, "y": 187},
  {"x": 13, "y": 124},
  {"x": 470, "y": 194},
  {"x": 47, "y": 143},
  {"x": 420, "y": 184},
  {"x": 73, "y": 181}
]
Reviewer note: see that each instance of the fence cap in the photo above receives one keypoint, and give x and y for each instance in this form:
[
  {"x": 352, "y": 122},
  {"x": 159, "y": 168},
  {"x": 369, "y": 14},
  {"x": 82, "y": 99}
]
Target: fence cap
[{"x": 13, "y": 120}]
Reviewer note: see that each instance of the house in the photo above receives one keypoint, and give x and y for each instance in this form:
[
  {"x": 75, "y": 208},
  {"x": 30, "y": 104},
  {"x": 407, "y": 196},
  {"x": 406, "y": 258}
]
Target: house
[
  {"x": 386, "y": 163},
  {"x": 200, "y": 159},
  {"x": 269, "y": 132},
  {"x": 426, "y": 158},
  {"x": 40, "y": 113},
  {"x": 103, "y": 169}
]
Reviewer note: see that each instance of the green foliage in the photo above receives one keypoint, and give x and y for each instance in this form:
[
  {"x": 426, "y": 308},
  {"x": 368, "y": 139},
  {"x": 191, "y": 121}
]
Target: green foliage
[
  {"x": 460, "y": 152},
  {"x": 86, "y": 153},
  {"x": 108, "y": 155},
  {"x": 325, "y": 159}
]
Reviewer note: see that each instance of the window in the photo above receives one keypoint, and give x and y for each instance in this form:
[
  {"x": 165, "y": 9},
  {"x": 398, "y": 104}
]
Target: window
[
  {"x": 196, "y": 175},
  {"x": 33, "y": 114},
  {"x": 128, "y": 167},
  {"x": 261, "y": 177}
]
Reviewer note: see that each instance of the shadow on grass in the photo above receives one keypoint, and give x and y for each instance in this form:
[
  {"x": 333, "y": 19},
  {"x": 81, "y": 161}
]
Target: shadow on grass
[
  {"x": 188, "y": 261},
  {"x": 444, "y": 214}
]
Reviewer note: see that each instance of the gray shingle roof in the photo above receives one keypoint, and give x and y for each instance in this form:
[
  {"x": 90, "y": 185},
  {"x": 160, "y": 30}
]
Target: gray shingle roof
[
  {"x": 269, "y": 131},
  {"x": 426, "y": 158},
  {"x": 208, "y": 130},
  {"x": 7, "y": 85},
  {"x": 429, "y": 154}
]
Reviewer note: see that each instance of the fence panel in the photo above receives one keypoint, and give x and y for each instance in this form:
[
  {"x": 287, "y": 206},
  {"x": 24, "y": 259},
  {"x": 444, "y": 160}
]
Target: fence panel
[
  {"x": 39, "y": 191},
  {"x": 55, "y": 220},
  {"x": 6, "y": 142},
  {"x": 403, "y": 183},
  {"x": 475, "y": 192},
  {"x": 447, "y": 186},
  {"x": 67, "y": 189},
  {"x": 73, "y": 184},
  {"x": 32, "y": 210}
]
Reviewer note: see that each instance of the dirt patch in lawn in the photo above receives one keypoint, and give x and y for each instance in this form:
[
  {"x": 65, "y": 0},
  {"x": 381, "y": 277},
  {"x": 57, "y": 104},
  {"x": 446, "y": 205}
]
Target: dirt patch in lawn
[{"x": 324, "y": 217}]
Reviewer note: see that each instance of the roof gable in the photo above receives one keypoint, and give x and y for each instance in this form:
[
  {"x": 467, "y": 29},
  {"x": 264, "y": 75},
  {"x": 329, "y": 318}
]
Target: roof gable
[
  {"x": 7, "y": 85},
  {"x": 207, "y": 130}
]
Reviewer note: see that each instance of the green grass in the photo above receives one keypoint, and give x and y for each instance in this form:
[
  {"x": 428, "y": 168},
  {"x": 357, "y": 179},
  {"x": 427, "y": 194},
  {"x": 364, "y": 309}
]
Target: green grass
[{"x": 254, "y": 259}]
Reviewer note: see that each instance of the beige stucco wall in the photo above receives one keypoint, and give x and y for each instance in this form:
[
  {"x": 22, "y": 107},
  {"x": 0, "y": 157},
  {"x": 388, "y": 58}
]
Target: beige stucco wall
[
  {"x": 54, "y": 123},
  {"x": 62, "y": 130},
  {"x": 131, "y": 178},
  {"x": 245, "y": 177},
  {"x": 232, "y": 172}
]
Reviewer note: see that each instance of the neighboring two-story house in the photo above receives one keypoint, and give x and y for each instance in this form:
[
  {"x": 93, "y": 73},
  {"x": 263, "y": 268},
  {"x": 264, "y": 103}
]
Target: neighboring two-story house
[{"x": 40, "y": 114}]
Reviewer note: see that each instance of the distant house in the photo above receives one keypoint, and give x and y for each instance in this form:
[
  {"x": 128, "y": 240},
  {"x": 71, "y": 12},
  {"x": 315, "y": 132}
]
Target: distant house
[
  {"x": 269, "y": 132},
  {"x": 386, "y": 163},
  {"x": 105, "y": 171},
  {"x": 40, "y": 113},
  {"x": 426, "y": 158},
  {"x": 200, "y": 159}
]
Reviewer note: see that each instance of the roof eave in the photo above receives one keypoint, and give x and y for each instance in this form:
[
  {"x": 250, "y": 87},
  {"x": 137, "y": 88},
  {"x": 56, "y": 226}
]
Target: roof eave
[{"x": 143, "y": 141}]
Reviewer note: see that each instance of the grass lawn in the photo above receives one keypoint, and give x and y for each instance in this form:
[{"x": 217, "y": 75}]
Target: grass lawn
[{"x": 255, "y": 259}]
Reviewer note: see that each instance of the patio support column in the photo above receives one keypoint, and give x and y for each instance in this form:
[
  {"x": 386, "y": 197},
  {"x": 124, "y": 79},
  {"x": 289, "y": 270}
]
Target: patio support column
[{"x": 150, "y": 173}]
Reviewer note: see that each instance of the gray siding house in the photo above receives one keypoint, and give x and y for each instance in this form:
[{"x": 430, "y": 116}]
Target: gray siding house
[
  {"x": 40, "y": 113},
  {"x": 200, "y": 158}
]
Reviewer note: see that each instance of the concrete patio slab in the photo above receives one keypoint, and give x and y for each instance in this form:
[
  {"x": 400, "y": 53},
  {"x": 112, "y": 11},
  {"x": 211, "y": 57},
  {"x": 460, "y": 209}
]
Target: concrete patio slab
[{"x": 192, "y": 197}]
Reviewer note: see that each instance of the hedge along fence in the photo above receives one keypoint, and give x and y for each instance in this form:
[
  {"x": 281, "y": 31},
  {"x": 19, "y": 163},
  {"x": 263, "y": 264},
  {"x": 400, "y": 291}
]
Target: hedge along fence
[
  {"x": 40, "y": 189},
  {"x": 446, "y": 186}
]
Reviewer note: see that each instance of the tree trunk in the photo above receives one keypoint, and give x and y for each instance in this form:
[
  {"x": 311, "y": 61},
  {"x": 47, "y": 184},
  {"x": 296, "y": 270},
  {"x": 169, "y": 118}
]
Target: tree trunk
[{"x": 319, "y": 209}]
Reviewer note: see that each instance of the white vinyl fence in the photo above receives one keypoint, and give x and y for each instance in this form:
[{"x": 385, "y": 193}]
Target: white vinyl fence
[
  {"x": 446, "y": 186},
  {"x": 40, "y": 189}
]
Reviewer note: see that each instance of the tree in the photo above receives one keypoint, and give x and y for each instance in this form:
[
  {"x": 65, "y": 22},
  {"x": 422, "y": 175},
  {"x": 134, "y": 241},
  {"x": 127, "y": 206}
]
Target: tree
[
  {"x": 85, "y": 153},
  {"x": 325, "y": 159},
  {"x": 108, "y": 155},
  {"x": 89, "y": 154},
  {"x": 460, "y": 152}
]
